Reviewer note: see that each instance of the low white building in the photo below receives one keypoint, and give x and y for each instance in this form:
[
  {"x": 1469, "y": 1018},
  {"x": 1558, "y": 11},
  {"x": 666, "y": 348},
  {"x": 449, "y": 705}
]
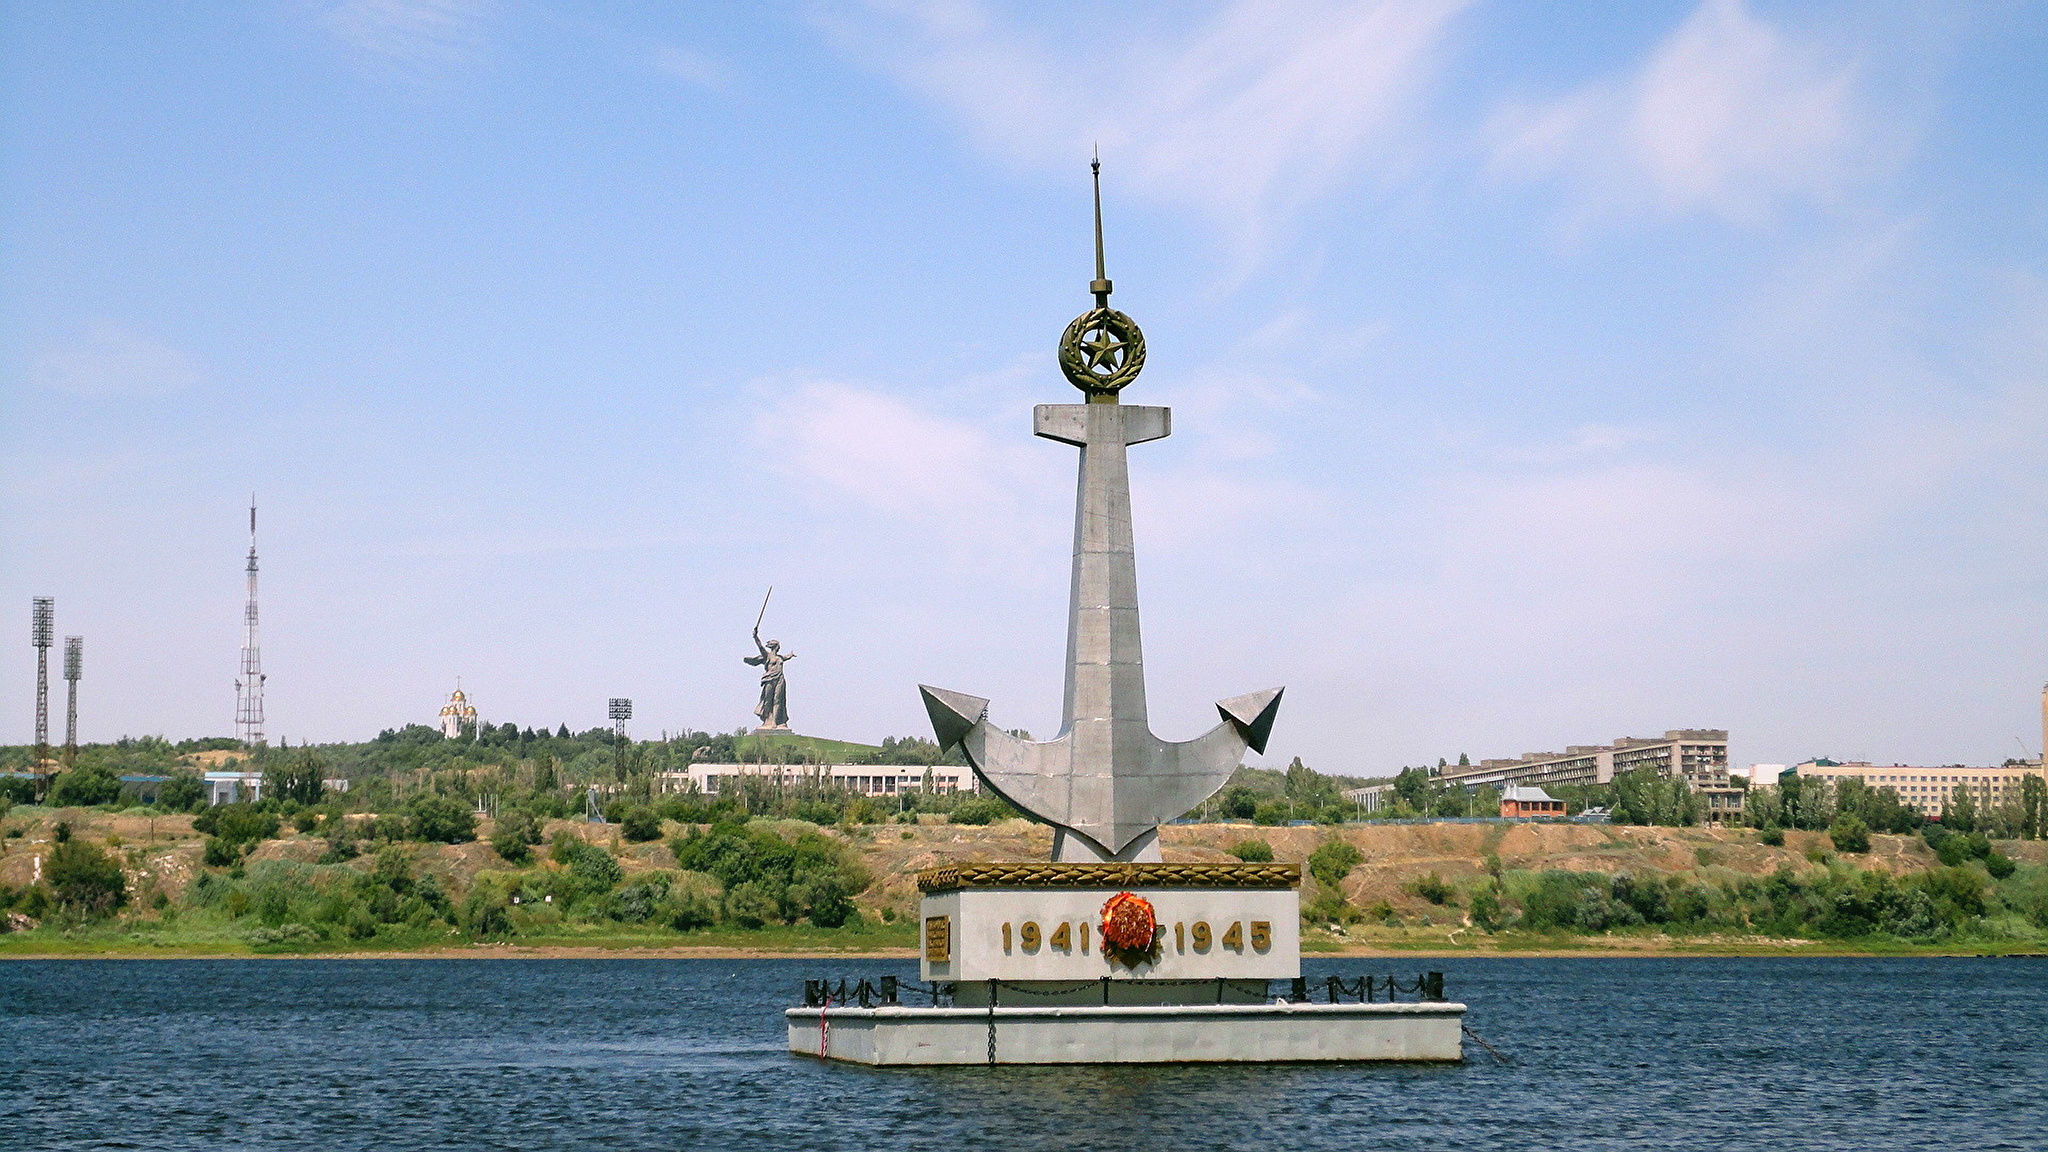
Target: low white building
[
  {"x": 240, "y": 787},
  {"x": 861, "y": 779},
  {"x": 1370, "y": 798},
  {"x": 233, "y": 787}
]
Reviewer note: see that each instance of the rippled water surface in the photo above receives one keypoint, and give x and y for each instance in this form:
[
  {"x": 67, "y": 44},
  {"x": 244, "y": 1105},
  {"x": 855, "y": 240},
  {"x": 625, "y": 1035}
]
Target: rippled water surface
[{"x": 397, "y": 1055}]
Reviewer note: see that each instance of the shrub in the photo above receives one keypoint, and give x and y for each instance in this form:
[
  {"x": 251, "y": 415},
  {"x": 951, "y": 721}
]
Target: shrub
[
  {"x": 593, "y": 870},
  {"x": 1850, "y": 834},
  {"x": 1487, "y": 911},
  {"x": 864, "y": 810},
  {"x": 638, "y": 901},
  {"x": 693, "y": 902},
  {"x": 85, "y": 787},
  {"x": 749, "y": 906},
  {"x": 1999, "y": 865},
  {"x": 1332, "y": 861},
  {"x": 767, "y": 877},
  {"x": 1252, "y": 851},
  {"x": 341, "y": 847},
  {"x": 1772, "y": 835},
  {"x": 220, "y": 853},
  {"x": 236, "y": 824},
  {"x": 1556, "y": 899},
  {"x": 484, "y": 915},
  {"x": 1270, "y": 813},
  {"x": 640, "y": 824},
  {"x": 979, "y": 810},
  {"x": 183, "y": 792},
  {"x": 1431, "y": 887},
  {"x": 283, "y": 936},
  {"x": 439, "y": 819},
  {"x": 84, "y": 879}
]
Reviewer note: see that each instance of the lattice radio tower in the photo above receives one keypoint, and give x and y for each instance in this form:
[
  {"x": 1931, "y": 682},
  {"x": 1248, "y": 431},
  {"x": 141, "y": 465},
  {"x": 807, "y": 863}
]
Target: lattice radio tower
[
  {"x": 42, "y": 623},
  {"x": 249, "y": 689},
  {"x": 74, "y": 662},
  {"x": 621, "y": 711}
]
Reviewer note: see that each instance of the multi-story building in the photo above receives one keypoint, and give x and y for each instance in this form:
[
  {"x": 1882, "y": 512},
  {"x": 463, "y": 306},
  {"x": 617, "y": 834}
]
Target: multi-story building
[
  {"x": 861, "y": 779},
  {"x": 1928, "y": 790},
  {"x": 1699, "y": 756}
]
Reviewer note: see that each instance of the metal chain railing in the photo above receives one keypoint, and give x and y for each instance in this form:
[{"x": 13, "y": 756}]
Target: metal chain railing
[{"x": 889, "y": 990}]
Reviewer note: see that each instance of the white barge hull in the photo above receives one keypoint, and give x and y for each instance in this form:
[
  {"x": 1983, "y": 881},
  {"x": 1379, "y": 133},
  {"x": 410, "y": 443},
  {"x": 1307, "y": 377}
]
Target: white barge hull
[{"x": 1135, "y": 1034}]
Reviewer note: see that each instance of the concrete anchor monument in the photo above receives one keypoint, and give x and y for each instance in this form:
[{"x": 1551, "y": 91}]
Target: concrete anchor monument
[{"x": 1106, "y": 953}]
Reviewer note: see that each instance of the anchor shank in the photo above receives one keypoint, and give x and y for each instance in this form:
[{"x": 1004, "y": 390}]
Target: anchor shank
[{"x": 1104, "y": 710}]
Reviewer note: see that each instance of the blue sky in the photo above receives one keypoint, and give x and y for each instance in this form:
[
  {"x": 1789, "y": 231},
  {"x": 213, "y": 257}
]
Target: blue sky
[{"x": 1541, "y": 375}]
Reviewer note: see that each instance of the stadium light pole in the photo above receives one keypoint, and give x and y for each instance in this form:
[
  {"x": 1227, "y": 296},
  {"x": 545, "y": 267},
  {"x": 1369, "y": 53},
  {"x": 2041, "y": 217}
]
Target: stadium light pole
[
  {"x": 42, "y": 626},
  {"x": 621, "y": 711}
]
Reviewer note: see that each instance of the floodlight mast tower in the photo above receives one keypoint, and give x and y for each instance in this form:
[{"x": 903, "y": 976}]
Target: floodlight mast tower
[
  {"x": 249, "y": 689},
  {"x": 621, "y": 711},
  {"x": 42, "y": 623},
  {"x": 74, "y": 662}
]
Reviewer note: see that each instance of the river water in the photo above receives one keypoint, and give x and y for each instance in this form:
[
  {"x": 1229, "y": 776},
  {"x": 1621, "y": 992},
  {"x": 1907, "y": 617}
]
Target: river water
[{"x": 396, "y": 1055}]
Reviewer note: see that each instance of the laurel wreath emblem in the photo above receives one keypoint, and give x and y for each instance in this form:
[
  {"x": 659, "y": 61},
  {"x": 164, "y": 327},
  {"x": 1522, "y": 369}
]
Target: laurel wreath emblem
[{"x": 1101, "y": 351}]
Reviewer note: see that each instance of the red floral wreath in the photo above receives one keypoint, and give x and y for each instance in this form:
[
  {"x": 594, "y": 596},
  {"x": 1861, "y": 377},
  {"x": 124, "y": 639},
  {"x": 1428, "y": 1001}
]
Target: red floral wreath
[{"x": 1130, "y": 930}]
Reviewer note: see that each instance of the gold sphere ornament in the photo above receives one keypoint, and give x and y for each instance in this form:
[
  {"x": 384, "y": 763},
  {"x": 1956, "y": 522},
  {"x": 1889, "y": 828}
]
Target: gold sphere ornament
[{"x": 1101, "y": 352}]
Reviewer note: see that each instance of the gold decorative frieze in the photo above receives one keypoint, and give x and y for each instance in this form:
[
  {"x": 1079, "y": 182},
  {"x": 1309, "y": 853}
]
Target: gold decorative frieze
[{"x": 1153, "y": 875}]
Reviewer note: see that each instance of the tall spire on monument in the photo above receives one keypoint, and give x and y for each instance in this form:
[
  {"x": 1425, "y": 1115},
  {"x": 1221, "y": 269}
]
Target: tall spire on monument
[
  {"x": 1102, "y": 350},
  {"x": 1101, "y": 286},
  {"x": 249, "y": 689}
]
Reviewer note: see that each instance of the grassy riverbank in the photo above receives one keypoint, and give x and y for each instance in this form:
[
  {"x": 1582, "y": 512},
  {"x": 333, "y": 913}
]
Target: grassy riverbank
[{"x": 1414, "y": 891}]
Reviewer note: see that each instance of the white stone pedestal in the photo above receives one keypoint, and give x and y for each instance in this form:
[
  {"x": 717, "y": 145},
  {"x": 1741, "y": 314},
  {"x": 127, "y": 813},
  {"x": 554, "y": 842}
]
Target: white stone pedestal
[
  {"x": 1149, "y": 1034},
  {"x": 1017, "y": 949}
]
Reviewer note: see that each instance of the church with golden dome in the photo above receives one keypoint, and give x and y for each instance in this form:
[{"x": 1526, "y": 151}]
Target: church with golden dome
[{"x": 458, "y": 715}]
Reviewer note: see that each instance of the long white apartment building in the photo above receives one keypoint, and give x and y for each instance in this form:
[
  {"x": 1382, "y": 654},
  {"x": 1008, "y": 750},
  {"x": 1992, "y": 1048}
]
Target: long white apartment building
[
  {"x": 1697, "y": 755},
  {"x": 1928, "y": 789},
  {"x": 861, "y": 779}
]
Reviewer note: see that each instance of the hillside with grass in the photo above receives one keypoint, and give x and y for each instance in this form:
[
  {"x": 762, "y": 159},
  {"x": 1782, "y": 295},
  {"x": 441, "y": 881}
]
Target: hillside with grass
[{"x": 234, "y": 880}]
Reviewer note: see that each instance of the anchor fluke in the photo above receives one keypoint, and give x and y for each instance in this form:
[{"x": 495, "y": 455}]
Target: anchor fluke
[
  {"x": 953, "y": 714},
  {"x": 1252, "y": 715}
]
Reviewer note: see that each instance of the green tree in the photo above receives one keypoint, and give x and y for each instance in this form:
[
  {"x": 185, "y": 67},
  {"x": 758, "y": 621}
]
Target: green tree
[
  {"x": 2033, "y": 807},
  {"x": 85, "y": 786},
  {"x": 1849, "y": 833},
  {"x": 1307, "y": 787},
  {"x": 296, "y": 779},
  {"x": 183, "y": 792},
  {"x": 83, "y": 879},
  {"x": 640, "y": 824},
  {"x": 1411, "y": 787},
  {"x": 1961, "y": 811},
  {"x": 439, "y": 819},
  {"x": 809, "y": 875},
  {"x": 514, "y": 835},
  {"x": 239, "y": 824},
  {"x": 1332, "y": 861}
]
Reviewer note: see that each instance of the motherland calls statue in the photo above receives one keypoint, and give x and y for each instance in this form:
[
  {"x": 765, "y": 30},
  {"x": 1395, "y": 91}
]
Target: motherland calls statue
[{"x": 774, "y": 706}]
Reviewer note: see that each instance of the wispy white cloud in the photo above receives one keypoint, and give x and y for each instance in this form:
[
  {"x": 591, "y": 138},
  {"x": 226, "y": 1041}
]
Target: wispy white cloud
[
  {"x": 1731, "y": 116},
  {"x": 1247, "y": 115},
  {"x": 967, "y": 491},
  {"x": 693, "y": 67},
  {"x": 109, "y": 360},
  {"x": 409, "y": 37}
]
